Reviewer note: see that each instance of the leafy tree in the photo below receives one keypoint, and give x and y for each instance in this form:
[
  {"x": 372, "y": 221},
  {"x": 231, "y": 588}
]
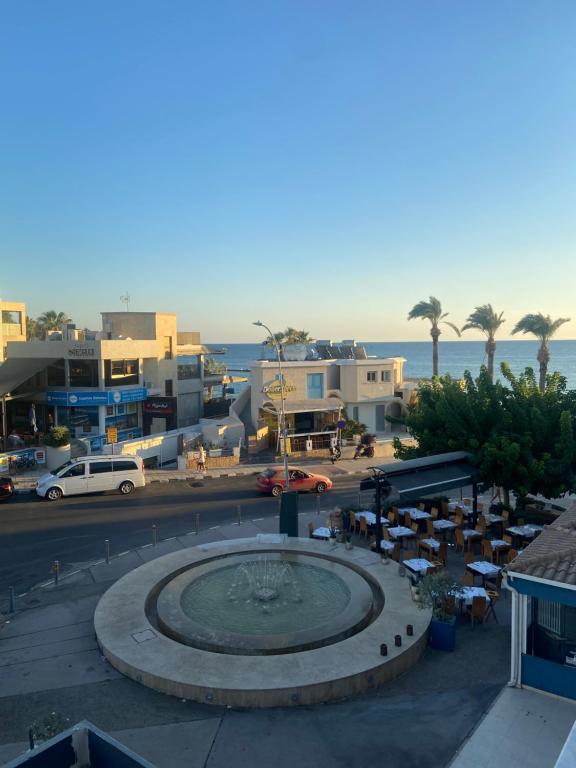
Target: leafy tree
[
  {"x": 485, "y": 319},
  {"x": 51, "y": 321},
  {"x": 521, "y": 439},
  {"x": 432, "y": 311},
  {"x": 278, "y": 338},
  {"x": 544, "y": 328},
  {"x": 293, "y": 336},
  {"x": 31, "y": 328}
]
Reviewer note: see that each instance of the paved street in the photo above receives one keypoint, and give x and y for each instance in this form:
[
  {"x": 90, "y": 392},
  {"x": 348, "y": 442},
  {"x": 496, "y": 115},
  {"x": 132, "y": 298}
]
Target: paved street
[{"x": 34, "y": 533}]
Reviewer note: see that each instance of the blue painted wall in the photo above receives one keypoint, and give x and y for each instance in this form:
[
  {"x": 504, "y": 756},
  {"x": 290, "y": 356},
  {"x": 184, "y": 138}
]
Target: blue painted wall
[{"x": 548, "y": 676}]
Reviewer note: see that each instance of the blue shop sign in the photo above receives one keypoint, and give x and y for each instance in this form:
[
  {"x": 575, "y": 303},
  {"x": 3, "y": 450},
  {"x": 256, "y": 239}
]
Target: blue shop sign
[{"x": 106, "y": 397}]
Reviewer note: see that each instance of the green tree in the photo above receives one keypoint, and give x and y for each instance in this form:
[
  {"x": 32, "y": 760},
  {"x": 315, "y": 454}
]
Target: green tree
[
  {"x": 51, "y": 321},
  {"x": 485, "y": 319},
  {"x": 521, "y": 439},
  {"x": 31, "y": 328},
  {"x": 432, "y": 311},
  {"x": 293, "y": 336},
  {"x": 544, "y": 328}
]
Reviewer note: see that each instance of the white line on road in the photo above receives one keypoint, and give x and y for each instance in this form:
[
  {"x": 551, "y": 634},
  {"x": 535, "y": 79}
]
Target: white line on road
[{"x": 214, "y": 527}]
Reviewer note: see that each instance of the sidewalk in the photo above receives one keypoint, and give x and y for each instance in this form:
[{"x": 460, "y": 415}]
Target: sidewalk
[{"x": 522, "y": 728}]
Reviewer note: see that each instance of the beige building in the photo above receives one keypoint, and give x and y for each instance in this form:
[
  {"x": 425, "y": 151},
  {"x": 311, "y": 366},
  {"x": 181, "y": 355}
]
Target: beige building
[
  {"x": 126, "y": 377},
  {"x": 13, "y": 325},
  {"x": 318, "y": 392}
]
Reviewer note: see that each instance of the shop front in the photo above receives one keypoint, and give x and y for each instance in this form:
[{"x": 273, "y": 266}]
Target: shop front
[
  {"x": 88, "y": 414},
  {"x": 159, "y": 414}
]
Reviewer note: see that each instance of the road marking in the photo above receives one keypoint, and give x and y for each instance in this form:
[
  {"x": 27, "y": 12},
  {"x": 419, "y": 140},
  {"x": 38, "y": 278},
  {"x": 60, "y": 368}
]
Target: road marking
[
  {"x": 123, "y": 553},
  {"x": 214, "y": 527},
  {"x": 145, "y": 545},
  {"x": 257, "y": 519},
  {"x": 172, "y": 538}
]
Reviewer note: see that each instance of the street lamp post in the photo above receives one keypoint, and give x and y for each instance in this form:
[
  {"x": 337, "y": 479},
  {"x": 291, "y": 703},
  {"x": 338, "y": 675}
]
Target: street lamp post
[{"x": 282, "y": 419}]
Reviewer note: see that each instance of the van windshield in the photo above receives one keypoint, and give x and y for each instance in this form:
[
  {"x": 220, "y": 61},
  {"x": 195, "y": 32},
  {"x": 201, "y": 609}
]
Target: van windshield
[{"x": 62, "y": 466}]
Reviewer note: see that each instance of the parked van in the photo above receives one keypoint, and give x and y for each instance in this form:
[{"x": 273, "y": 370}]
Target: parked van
[{"x": 89, "y": 474}]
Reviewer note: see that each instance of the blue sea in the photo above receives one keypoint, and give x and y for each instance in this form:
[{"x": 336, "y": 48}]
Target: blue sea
[{"x": 455, "y": 356}]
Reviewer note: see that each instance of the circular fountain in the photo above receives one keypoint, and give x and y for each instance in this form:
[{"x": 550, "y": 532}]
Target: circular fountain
[{"x": 190, "y": 623}]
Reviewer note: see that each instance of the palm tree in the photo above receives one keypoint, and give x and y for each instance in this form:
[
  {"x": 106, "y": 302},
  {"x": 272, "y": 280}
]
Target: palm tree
[
  {"x": 278, "y": 338},
  {"x": 432, "y": 311},
  {"x": 543, "y": 327},
  {"x": 52, "y": 320},
  {"x": 485, "y": 319},
  {"x": 292, "y": 336},
  {"x": 31, "y": 328}
]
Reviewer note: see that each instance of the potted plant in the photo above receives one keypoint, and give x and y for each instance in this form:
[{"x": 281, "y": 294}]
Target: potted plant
[
  {"x": 57, "y": 442},
  {"x": 332, "y": 535},
  {"x": 438, "y": 591},
  {"x": 348, "y": 541}
]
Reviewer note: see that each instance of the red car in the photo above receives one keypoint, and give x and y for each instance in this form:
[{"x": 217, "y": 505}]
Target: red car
[
  {"x": 6, "y": 488},
  {"x": 272, "y": 481}
]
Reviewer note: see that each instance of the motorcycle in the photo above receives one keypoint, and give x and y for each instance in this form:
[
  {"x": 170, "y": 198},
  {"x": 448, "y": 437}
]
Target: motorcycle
[
  {"x": 364, "y": 450},
  {"x": 335, "y": 453}
]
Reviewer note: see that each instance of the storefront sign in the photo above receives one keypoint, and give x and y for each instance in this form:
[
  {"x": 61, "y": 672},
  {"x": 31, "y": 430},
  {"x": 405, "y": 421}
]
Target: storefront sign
[
  {"x": 159, "y": 406},
  {"x": 105, "y": 397},
  {"x": 273, "y": 390},
  {"x": 82, "y": 352}
]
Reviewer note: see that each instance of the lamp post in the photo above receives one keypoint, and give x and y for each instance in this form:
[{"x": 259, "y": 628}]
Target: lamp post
[{"x": 282, "y": 419}]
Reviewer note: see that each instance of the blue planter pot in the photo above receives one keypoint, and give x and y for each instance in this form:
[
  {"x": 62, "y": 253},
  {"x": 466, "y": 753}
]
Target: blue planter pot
[{"x": 442, "y": 634}]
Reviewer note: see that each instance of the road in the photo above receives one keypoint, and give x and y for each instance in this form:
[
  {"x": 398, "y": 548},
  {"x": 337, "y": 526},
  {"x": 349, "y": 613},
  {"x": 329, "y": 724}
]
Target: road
[{"x": 34, "y": 532}]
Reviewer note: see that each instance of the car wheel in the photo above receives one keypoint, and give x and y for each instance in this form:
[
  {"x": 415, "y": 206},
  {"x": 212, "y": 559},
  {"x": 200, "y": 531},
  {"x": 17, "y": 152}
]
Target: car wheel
[
  {"x": 276, "y": 490},
  {"x": 53, "y": 494},
  {"x": 321, "y": 487},
  {"x": 126, "y": 487}
]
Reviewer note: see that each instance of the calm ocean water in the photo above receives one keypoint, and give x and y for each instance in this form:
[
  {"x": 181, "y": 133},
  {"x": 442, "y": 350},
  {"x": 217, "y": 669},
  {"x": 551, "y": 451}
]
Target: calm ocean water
[{"x": 455, "y": 356}]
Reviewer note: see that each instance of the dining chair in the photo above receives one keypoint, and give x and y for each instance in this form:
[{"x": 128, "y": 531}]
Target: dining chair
[
  {"x": 468, "y": 579},
  {"x": 487, "y": 551},
  {"x": 422, "y": 507},
  {"x": 442, "y": 553},
  {"x": 415, "y": 527},
  {"x": 493, "y": 594},
  {"x": 512, "y": 554},
  {"x": 353, "y": 521},
  {"x": 478, "y": 610},
  {"x": 395, "y": 554},
  {"x": 445, "y": 509},
  {"x": 520, "y": 521},
  {"x": 467, "y": 502},
  {"x": 363, "y": 527},
  {"x": 430, "y": 528},
  {"x": 469, "y": 557},
  {"x": 434, "y": 512},
  {"x": 507, "y": 538},
  {"x": 385, "y": 533},
  {"x": 392, "y": 517},
  {"x": 481, "y": 525},
  {"x": 459, "y": 518},
  {"x": 460, "y": 543},
  {"x": 310, "y": 531}
]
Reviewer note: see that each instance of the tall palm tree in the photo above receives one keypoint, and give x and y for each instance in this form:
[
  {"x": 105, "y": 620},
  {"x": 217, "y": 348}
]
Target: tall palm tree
[
  {"x": 432, "y": 311},
  {"x": 485, "y": 319},
  {"x": 543, "y": 327},
  {"x": 52, "y": 320}
]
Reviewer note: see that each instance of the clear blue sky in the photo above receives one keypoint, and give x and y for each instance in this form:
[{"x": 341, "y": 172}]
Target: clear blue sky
[{"x": 314, "y": 163}]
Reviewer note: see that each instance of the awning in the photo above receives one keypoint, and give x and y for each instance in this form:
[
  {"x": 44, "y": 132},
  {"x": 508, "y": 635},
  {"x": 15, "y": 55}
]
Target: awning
[
  {"x": 16, "y": 371},
  {"x": 426, "y": 476},
  {"x": 305, "y": 406}
]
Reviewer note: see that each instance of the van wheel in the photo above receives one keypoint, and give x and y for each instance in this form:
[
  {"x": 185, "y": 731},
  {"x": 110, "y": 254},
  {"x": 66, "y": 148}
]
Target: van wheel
[
  {"x": 126, "y": 487},
  {"x": 276, "y": 490},
  {"x": 53, "y": 494},
  {"x": 321, "y": 487}
]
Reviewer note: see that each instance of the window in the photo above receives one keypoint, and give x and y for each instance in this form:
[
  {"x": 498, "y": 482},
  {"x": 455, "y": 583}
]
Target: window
[
  {"x": 125, "y": 466},
  {"x": 56, "y": 374},
  {"x": 355, "y": 413},
  {"x": 168, "y": 388},
  {"x": 371, "y": 376},
  {"x": 120, "y": 373},
  {"x": 550, "y": 616},
  {"x": 99, "y": 467},
  {"x": 385, "y": 376},
  {"x": 83, "y": 373},
  {"x": 76, "y": 471},
  {"x": 167, "y": 347},
  {"x": 315, "y": 386}
]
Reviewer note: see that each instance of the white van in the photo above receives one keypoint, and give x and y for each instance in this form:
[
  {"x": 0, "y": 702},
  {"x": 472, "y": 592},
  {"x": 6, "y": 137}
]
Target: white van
[{"x": 89, "y": 474}]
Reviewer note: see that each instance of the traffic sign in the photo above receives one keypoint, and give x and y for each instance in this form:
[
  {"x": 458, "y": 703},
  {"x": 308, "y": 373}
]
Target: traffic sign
[
  {"x": 341, "y": 424},
  {"x": 112, "y": 434}
]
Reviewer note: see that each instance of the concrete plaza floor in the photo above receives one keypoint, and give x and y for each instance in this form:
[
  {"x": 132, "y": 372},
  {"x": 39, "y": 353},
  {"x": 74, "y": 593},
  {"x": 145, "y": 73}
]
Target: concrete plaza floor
[{"x": 51, "y": 663}]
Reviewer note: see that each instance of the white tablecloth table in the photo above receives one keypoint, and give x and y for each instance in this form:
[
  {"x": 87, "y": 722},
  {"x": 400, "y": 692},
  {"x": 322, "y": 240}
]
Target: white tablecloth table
[
  {"x": 431, "y": 544},
  {"x": 387, "y": 546},
  {"x": 492, "y": 519},
  {"x": 417, "y": 564},
  {"x": 400, "y": 532},
  {"x": 525, "y": 531},
  {"x": 499, "y": 544},
  {"x": 371, "y": 517},
  {"x": 444, "y": 525},
  {"x": 321, "y": 533},
  {"x": 467, "y": 593},
  {"x": 415, "y": 514}
]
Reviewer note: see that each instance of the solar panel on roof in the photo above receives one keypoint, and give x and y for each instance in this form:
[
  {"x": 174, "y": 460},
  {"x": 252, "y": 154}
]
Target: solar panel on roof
[{"x": 359, "y": 353}]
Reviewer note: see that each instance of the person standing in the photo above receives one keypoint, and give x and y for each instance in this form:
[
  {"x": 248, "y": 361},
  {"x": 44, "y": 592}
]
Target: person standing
[{"x": 201, "y": 459}]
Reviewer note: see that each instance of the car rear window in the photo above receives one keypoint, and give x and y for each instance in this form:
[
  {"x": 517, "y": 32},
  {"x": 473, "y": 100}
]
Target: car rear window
[{"x": 268, "y": 473}]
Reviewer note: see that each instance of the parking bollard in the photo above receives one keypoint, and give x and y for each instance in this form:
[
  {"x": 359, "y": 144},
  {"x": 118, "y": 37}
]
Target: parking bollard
[
  {"x": 56, "y": 569},
  {"x": 107, "y": 550},
  {"x": 239, "y": 513},
  {"x": 154, "y": 535},
  {"x": 197, "y": 523},
  {"x": 12, "y": 600}
]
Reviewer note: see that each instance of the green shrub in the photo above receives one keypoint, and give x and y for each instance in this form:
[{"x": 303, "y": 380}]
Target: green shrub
[{"x": 57, "y": 437}]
